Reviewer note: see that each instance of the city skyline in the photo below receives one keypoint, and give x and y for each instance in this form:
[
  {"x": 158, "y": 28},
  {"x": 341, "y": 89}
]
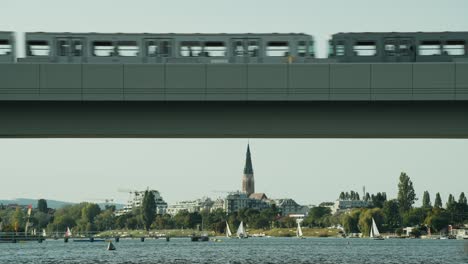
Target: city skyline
[{"x": 304, "y": 170}]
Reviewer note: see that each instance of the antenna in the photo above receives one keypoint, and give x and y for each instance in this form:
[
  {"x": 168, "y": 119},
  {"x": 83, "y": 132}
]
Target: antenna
[{"x": 363, "y": 192}]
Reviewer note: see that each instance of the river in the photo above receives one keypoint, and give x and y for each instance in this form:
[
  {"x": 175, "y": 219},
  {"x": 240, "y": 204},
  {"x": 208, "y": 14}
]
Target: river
[{"x": 252, "y": 250}]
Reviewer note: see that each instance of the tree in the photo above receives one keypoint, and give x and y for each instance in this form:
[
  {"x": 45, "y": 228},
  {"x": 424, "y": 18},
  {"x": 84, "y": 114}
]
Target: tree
[
  {"x": 450, "y": 201},
  {"x": 379, "y": 199},
  {"x": 415, "y": 216},
  {"x": 462, "y": 199},
  {"x": 316, "y": 216},
  {"x": 42, "y": 206},
  {"x": 367, "y": 198},
  {"x": 148, "y": 209},
  {"x": 426, "y": 202},
  {"x": 438, "y": 201},
  {"x": 350, "y": 221},
  {"x": 406, "y": 194},
  {"x": 392, "y": 213},
  {"x": 342, "y": 196}
]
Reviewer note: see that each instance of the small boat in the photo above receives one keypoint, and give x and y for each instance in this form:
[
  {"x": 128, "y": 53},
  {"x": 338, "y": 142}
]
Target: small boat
[
  {"x": 374, "y": 232},
  {"x": 241, "y": 231},
  {"x": 299, "y": 231},
  {"x": 110, "y": 246},
  {"x": 228, "y": 230}
]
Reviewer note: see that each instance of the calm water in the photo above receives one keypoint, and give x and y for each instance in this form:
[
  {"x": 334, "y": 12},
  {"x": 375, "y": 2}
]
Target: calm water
[{"x": 252, "y": 250}]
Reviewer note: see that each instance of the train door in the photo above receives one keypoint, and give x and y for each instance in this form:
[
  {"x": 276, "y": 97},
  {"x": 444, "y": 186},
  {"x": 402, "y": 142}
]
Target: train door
[
  {"x": 246, "y": 50},
  {"x": 70, "y": 50},
  {"x": 399, "y": 50},
  {"x": 157, "y": 50}
]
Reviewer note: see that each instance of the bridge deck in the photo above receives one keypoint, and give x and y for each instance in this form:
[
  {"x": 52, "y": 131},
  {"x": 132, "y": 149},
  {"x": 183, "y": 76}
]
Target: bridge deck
[{"x": 234, "y": 82}]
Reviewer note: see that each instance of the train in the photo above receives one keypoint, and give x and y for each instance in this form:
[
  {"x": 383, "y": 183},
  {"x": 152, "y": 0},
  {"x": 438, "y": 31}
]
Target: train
[{"x": 272, "y": 48}]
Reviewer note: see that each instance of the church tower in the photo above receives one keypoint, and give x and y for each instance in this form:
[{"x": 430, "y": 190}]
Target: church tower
[{"x": 248, "y": 184}]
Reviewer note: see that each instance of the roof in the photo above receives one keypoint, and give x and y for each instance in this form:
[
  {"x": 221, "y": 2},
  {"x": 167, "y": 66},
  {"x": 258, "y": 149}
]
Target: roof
[
  {"x": 258, "y": 196},
  {"x": 248, "y": 169}
]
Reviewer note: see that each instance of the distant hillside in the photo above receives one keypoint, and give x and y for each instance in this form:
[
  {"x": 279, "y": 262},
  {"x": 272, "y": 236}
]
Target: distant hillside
[{"x": 50, "y": 203}]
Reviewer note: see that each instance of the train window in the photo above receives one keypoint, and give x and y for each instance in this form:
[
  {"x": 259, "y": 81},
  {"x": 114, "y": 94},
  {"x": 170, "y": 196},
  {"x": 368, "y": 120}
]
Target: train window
[
  {"x": 238, "y": 48},
  {"x": 77, "y": 48},
  {"x": 277, "y": 49},
  {"x": 38, "y": 48},
  {"x": 454, "y": 47},
  {"x": 301, "y": 49},
  {"x": 214, "y": 49},
  {"x": 190, "y": 49},
  {"x": 151, "y": 48},
  {"x": 311, "y": 49},
  {"x": 127, "y": 48},
  {"x": 5, "y": 47},
  {"x": 252, "y": 48},
  {"x": 429, "y": 48},
  {"x": 103, "y": 48},
  {"x": 365, "y": 48},
  {"x": 340, "y": 48},
  {"x": 63, "y": 47}
]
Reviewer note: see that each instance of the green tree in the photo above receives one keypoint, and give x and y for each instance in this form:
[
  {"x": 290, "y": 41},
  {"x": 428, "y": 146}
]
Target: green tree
[
  {"x": 342, "y": 196},
  {"x": 105, "y": 220},
  {"x": 437, "y": 220},
  {"x": 415, "y": 216},
  {"x": 41, "y": 219},
  {"x": 350, "y": 221},
  {"x": 42, "y": 206},
  {"x": 438, "y": 201},
  {"x": 18, "y": 220},
  {"x": 392, "y": 213},
  {"x": 317, "y": 216},
  {"x": 450, "y": 201},
  {"x": 148, "y": 209},
  {"x": 426, "y": 202},
  {"x": 163, "y": 222},
  {"x": 406, "y": 194},
  {"x": 379, "y": 199},
  {"x": 462, "y": 199}
]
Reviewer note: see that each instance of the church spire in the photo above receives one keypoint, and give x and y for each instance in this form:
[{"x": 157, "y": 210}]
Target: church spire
[{"x": 248, "y": 162}]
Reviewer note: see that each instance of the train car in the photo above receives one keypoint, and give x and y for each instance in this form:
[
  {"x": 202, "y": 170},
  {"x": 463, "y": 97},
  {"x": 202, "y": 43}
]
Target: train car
[
  {"x": 168, "y": 48},
  {"x": 7, "y": 47},
  {"x": 399, "y": 47}
]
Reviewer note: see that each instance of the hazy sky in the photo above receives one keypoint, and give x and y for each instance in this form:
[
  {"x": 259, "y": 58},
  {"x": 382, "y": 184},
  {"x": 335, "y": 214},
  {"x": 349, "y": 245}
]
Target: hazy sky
[{"x": 309, "y": 171}]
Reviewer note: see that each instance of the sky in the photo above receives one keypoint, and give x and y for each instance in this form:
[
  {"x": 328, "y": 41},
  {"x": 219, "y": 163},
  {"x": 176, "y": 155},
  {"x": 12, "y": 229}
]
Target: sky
[{"x": 308, "y": 170}]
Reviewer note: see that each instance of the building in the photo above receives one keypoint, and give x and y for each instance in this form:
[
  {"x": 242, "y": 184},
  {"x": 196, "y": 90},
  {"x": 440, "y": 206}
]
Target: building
[
  {"x": 346, "y": 205},
  {"x": 239, "y": 200},
  {"x": 248, "y": 183},
  {"x": 137, "y": 200},
  {"x": 197, "y": 205},
  {"x": 290, "y": 207},
  {"x": 218, "y": 204}
]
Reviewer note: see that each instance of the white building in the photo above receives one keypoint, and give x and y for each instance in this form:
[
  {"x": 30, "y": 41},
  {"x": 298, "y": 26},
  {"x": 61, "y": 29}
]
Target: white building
[
  {"x": 198, "y": 205},
  {"x": 137, "y": 200},
  {"x": 346, "y": 205}
]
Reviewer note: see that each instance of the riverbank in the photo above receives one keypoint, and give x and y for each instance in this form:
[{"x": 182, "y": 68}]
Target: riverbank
[{"x": 275, "y": 232}]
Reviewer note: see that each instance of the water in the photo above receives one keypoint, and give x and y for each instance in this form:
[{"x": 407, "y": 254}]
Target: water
[{"x": 235, "y": 251}]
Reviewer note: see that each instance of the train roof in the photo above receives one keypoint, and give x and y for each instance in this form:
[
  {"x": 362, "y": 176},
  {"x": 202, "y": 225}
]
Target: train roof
[
  {"x": 171, "y": 33},
  {"x": 402, "y": 33}
]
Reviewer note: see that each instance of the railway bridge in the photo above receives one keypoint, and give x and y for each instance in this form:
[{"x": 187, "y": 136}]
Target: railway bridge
[{"x": 170, "y": 100}]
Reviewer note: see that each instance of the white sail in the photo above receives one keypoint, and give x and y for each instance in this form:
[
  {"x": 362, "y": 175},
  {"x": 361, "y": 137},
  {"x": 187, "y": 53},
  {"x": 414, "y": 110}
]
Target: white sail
[
  {"x": 241, "y": 231},
  {"x": 299, "y": 230},
  {"x": 228, "y": 230},
  {"x": 68, "y": 233},
  {"x": 44, "y": 234},
  {"x": 374, "y": 230}
]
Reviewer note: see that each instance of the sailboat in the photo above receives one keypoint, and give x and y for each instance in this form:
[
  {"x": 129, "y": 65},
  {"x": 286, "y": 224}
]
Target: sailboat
[
  {"x": 68, "y": 233},
  {"x": 299, "y": 231},
  {"x": 241, "y": 231},
  {"x": 374, "y": 232},
  {"x": 44, "y": 234},
  {"x": 228, "y": 230}
]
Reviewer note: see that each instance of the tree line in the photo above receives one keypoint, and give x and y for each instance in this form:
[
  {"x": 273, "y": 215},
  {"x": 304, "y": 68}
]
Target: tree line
[{"x": 391, "y": 215}]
